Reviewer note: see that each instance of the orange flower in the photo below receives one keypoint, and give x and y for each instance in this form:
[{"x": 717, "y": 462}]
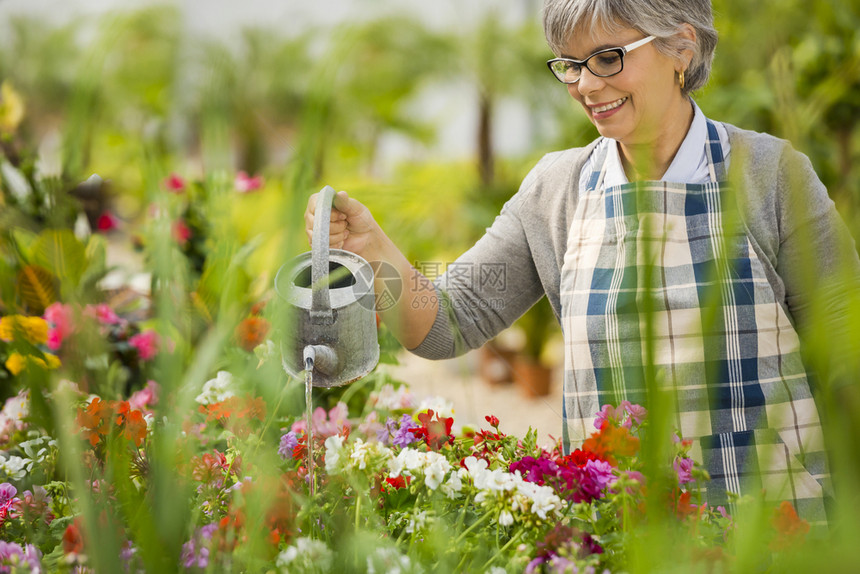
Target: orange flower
[
  {"x": 791, "y": 530},
  {"x": 611, "y": 441},
  {"x": 251, "y": 332},
  {"x": 94, "y": 420},
  {"x": 135, "y": 428}
]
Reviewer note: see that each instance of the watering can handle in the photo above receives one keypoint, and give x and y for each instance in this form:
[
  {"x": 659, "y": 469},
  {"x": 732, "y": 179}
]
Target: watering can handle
[{"x": 320, "y": 302}]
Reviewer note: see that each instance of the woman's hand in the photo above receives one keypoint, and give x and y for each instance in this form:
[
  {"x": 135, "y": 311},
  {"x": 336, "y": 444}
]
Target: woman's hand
[{"x": 352, "y": 227}]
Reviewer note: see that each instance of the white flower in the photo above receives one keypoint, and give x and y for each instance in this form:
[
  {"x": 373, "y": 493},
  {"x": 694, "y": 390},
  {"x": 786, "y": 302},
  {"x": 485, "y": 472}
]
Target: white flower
[
  {"x": 333, "y": 453},
  {"x": 364, "y": 454},
  {"x": 216, "y": 390},
  {"x": 453, "y": 487},
  {"x": 389, "y": 561},
  {"x": 392, "y": 399},
  {"x": 417, "y": 522},
  {"x": 306, "y": 554},
  {"x": 15, "y": 467},
  {"x": 506, "y": 518},
  {"x": 435, "y": 472}
]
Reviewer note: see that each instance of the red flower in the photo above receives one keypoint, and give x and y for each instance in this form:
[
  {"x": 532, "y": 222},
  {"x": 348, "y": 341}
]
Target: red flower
[
  {"x": 683, "y": 506},
  {"x": 174, "y": 183},
  {"x": 435, "y": 433},
  {"x": 399, "y": 482},
  {"x": 181, "y": 232},
  {"x": 493, "y": 420},
  {"x": 791, "y": 530},
  {"x": 73, "y": 541},
  {"x": 580, "y": 458},
  {"x": 106, "y": 222}
]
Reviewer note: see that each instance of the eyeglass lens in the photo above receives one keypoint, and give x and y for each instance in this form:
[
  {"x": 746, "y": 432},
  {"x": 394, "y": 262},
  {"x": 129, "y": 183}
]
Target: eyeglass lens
[{"x": 602, "y": 64}]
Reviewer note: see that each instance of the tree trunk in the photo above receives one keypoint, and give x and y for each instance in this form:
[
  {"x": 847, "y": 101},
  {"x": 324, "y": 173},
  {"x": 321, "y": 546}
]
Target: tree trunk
[{"x": 485, "y": 140}]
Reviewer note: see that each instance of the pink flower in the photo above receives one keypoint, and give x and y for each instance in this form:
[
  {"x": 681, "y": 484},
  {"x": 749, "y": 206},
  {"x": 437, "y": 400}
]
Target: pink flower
[
  {"x": 103, "y": 313},
  {"x": 683, "y": 467},
  {"x": 607, "y": 413},
  {"x": 60, "y": 319},
  {"x": 147, "y": 396},
  {"x": 637, "y": 413},
  {"x": 107, "y": 221},
  {"x": 244, "y": 183},
  {"x": 146, "y": 344},
  {"x": 326, "y": 424},
  {"x": 173, "y": 183}
]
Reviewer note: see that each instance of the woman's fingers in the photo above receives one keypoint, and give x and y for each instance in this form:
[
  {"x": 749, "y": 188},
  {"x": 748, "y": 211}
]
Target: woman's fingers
[{"x": 338, "y": 221}]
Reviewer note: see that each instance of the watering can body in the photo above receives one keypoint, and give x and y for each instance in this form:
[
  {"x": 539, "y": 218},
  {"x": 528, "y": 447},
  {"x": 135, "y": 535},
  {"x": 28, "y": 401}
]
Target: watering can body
[{"x": 332, "y": 304}]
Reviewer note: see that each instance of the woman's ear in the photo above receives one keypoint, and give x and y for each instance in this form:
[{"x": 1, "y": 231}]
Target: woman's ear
[{"x": 688, "y": 33}]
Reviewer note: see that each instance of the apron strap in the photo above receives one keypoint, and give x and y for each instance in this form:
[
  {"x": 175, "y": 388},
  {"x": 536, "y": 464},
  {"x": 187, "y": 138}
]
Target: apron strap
[{"x": 714, "y": 151}]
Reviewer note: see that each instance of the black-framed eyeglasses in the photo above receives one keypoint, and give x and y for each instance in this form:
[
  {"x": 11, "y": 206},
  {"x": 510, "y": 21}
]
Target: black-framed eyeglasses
[{"x": 603, "y": 64}]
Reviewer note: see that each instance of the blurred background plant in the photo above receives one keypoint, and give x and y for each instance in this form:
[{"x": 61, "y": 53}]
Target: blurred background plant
[{"x": 207, "y": 146}]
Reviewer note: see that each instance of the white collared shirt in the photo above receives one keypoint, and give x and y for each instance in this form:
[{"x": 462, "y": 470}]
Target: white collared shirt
[{"x": 690, "y": 164}]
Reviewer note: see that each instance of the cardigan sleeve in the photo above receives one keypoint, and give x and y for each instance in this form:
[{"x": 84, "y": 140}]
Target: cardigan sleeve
[
  {"x": 819, "y": 265},
  {"x": 487, "y": 288}
]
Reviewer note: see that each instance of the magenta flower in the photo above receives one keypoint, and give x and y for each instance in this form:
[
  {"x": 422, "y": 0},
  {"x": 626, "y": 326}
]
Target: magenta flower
[
  {"x": 244, "y": 183},
  {"x": 173, "y": 183},
  {"x": 21, "y": 558},
  {"x": 683, "y": 467},
  {"x": 61, "y": 324},
  {"x": 146, "y": 344},
  {"x": 600, "y": 472}
]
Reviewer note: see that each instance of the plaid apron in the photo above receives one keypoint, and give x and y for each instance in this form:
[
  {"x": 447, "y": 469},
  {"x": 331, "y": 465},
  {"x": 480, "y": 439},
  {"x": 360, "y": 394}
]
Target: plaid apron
[{"x": 720, "y": 339}]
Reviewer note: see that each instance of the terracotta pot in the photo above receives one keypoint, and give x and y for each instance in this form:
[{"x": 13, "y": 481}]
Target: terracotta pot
[
  {"x": 532, "y": 378},
  {"x": 495, "y": 362}
]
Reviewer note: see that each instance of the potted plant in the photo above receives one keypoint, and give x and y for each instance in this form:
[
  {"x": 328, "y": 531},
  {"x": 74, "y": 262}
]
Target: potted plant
[{"x": 532, "y": 368}]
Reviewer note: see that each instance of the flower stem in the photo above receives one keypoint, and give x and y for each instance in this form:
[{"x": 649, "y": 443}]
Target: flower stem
[
  {"x": 474, "y": 525},
  {"x": 502, "y": 550}
]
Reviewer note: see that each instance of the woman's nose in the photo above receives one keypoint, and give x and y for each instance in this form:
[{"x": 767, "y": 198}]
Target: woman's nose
[{"x": 588, "y": 83}]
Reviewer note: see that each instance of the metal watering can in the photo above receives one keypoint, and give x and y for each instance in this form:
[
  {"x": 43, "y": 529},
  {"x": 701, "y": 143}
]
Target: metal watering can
[{"x": 331, "y": 295}]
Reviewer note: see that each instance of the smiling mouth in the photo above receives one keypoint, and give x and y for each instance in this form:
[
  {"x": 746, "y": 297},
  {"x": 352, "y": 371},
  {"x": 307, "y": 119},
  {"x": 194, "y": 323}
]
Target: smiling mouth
[{"x": 609, "y": 106}]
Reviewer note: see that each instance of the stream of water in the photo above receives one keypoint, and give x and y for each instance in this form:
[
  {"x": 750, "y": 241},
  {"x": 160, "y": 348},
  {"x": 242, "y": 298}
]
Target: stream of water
[{"x": 309, "y": 406}]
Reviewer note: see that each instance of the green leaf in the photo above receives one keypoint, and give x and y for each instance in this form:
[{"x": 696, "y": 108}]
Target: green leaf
[
  {"x": 24, "y": 239},
  {"x": 61, "y": 253},
  {"x": 36, "y": 288}
]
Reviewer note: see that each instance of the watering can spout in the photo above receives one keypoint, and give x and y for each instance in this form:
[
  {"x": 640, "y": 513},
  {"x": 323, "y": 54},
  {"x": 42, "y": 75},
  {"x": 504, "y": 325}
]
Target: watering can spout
[{"x": 320, "y": 357}]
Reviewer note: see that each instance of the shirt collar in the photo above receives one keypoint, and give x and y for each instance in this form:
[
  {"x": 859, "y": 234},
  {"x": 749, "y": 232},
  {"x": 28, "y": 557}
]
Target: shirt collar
[{"x": 689, "y": 164}]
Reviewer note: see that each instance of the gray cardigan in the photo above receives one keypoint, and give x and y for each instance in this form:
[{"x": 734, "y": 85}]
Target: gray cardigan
[{"x": 785, "y": 209}]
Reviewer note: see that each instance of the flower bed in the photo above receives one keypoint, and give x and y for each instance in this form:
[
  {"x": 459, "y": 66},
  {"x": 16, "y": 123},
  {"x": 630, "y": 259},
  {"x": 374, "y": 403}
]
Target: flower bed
[{"x": 396, "y": 490}]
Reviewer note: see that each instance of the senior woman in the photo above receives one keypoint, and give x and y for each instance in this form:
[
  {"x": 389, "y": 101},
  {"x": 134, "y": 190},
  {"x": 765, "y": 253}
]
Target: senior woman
[{"x": 670, "y": 232}]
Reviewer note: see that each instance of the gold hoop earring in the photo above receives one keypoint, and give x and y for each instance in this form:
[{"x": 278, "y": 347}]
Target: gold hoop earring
[{"x": 681, "y": 78}]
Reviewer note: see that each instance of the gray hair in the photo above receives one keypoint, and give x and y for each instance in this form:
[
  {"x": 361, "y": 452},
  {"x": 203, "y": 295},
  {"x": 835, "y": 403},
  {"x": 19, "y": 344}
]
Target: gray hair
[{"x": 659, "y": 18}]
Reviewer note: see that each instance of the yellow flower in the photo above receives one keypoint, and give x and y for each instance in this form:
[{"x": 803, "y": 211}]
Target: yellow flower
[
  {"x": 16, "y": 363},
  {"x": 35, "y": 329},
  {"x": 11, "y": 108}
]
